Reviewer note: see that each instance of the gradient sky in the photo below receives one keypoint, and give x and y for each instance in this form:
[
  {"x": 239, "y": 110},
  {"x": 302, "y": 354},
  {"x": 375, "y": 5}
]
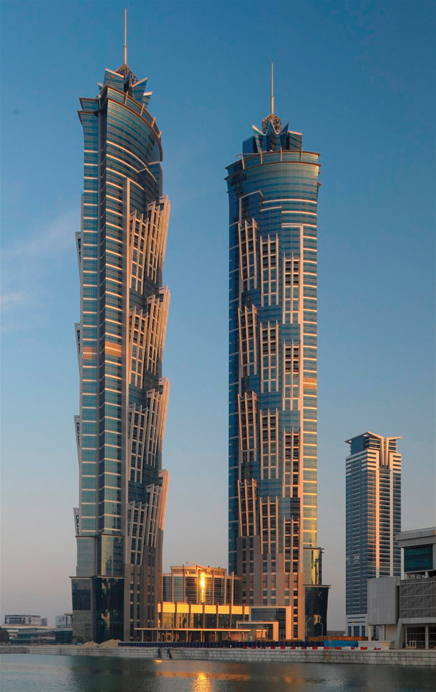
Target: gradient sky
[{"x": 357, "y": 78}]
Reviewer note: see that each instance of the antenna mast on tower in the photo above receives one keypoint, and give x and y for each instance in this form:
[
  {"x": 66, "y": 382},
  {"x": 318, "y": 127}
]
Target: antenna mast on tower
[
  {"x": 272, "y": 88},
  {"x": 125, "y": 37}
]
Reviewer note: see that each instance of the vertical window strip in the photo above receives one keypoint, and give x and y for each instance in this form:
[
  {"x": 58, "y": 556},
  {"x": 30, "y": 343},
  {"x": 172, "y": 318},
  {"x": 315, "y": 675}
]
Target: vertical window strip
[
  {"x": 269, "y": 357},
  {"x": 286, "y": 376},
  {"x": 247, "y": 495},
  {"x": 247, "y": 320},
  {"x": 146, "y": 430},
  {"x": 248, "y": 238},
  {"x": 269, "y": 444},
  {"x": 147, "y": 336},
  {"x": 148, "y": 234},
  {"x": 287, "y": 289},
  {"x": 286, "y": 462},
  {"x": 247, "y": 410},
  {"x": 269, "y": 268},
  {"x": 292, "y": 368}
]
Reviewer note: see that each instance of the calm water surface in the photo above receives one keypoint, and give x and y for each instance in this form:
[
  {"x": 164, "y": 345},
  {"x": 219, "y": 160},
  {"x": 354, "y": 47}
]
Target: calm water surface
[{"x": 33, "y": 673}]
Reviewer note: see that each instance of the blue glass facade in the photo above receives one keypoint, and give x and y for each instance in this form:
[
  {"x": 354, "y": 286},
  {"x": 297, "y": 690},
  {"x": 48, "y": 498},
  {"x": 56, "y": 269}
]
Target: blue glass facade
[
  {"x": 418, "y": 558},
  {"x": 273, "y": 193},
  {"x": 120, "y": 340}
]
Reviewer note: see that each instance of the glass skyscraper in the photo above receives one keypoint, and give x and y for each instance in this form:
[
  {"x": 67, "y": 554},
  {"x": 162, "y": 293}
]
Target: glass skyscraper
[
  {"x": 120, "y": 341},
  {"x": 373, "y": 519},
  {"x": 273, "y": 193}
]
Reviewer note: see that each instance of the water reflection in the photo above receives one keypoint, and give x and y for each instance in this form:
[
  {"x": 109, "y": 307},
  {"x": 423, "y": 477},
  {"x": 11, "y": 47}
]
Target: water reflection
[
  {"x": 202, "y": 676},
  {"x": 32, "y": 673},
  {"x": 202, "y": 684}
]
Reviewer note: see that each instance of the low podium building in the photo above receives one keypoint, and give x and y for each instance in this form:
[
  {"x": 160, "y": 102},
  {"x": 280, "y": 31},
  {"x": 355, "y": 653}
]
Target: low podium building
[
  {"x": 404, "y": 610},
  {"x": 204, "y": 604},
  {"x": 200, "y": 604}
]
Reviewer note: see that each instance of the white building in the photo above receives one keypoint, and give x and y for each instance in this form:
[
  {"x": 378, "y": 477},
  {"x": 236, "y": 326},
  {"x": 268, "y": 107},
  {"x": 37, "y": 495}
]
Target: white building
[
  {"x": 64, "y": 621},
  {"x": 19, "y": 620},
  {"x": 404, "y": 610}
]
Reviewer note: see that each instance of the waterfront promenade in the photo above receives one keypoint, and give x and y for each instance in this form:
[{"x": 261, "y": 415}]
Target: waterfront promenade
[{"x": 399, "y": 657}]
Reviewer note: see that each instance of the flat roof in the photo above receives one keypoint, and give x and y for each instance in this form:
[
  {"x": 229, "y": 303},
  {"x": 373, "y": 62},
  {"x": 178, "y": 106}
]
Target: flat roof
[
  {"x": 419, "y": 535},
  {"x": 378, "y": 437}
]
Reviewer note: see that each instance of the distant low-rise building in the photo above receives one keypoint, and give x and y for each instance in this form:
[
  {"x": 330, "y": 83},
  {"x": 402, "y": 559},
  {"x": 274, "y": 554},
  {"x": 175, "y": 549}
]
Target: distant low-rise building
[
  {"x": 404, "y": 610},
  {"x": 29, "y": 634},
  {"x": 33, "y": 629},
  {"x": 28, "y": 629},
  {"x": 63, "y": 631},
  {"x": 64, "y": 621},
  {"x": 35, "y": 620}
]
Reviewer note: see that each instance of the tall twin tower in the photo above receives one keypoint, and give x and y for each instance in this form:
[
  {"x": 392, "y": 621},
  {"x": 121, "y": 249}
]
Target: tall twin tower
[
  {"x": 273, "y": 190},
  {"x": 120, "y": 341}
]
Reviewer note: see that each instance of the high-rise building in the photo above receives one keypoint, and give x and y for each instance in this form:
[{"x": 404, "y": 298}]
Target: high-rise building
[
  {"x": 273, "y": 193},
  {"x": 373, "y": 519},
  {"x": 120, "y": 341}
]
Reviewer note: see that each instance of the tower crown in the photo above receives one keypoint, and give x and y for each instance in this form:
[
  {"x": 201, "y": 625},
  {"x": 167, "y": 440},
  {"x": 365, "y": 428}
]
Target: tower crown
[
  {"x": 275, "y": 121},
  {"x": 128, "y": 73}
]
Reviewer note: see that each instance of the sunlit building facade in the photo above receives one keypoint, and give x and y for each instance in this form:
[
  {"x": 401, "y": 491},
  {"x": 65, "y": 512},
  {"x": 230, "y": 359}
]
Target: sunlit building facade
[
  {"x": 373, "y": 520},
  {"x": 120, "y": 341},
  {"x": 273, "y": 193},
  {"x": 200, "y": 584}
]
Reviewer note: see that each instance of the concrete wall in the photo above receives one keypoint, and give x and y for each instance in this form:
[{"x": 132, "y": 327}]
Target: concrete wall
[
  {"x": 383, "y": 601},
  {"x": 383, "y": 656}
]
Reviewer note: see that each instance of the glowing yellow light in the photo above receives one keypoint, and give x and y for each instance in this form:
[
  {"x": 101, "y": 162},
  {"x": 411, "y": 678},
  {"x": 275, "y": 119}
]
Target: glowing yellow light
[
  {"x": 202, "y": 580},
  {"x": 158, "y": 660}
]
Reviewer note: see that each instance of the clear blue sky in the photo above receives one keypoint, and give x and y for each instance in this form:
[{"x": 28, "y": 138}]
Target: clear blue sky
[{"x": 357, "y": 78}]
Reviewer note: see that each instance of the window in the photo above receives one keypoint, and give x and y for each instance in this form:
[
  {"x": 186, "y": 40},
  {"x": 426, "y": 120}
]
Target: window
[{"x": 418, "y": 558}]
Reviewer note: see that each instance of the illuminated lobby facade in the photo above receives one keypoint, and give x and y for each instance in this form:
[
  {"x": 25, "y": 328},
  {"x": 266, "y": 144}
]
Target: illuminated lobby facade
[
  {"x": 193, "y": 583},
  {"x": 273, "y": 193},
  {"x": 120, "y": 341},
  {"x": 200, "y": 604}
]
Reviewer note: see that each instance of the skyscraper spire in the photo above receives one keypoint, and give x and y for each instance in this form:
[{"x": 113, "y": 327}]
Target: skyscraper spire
[
  {"x": 125, "y": 70},
  {"x": 125, "y": 37},
  {"x": 272, "y": 88},
  {"x": 272, "y": 117}
]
